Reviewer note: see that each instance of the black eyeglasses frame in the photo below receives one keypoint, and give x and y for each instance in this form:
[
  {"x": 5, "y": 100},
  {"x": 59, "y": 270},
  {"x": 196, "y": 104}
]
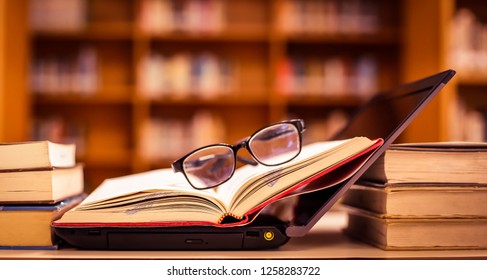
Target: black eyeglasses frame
[{"x": 177, "y": 165}]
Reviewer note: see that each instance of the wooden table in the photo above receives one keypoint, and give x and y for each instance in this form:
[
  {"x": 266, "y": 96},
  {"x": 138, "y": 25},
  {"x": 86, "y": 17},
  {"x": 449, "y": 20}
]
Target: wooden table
[{"x": 325, "y": 241}]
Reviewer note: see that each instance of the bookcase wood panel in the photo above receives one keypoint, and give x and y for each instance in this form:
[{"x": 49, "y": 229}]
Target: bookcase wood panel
[
  {"x": 116, "y": 69},
  {"x": 110, "y": 12},
  {"x": 248, "y": 16}
]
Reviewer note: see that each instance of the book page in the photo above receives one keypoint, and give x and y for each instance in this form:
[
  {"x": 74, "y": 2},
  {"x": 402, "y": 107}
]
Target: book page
[
  {"x": 162, "y": 179},
  {"x": 228, "y": 190}
]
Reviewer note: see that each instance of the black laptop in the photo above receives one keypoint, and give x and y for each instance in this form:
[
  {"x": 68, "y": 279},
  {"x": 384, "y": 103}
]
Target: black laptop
[{"x": 391, "y": 112}]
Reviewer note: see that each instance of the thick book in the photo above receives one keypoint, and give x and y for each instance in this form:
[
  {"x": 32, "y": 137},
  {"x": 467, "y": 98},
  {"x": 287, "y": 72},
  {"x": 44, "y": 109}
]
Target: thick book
[
  {"x": 40, "y": 185},
  {"x": 440, "y": 162},
  {"x": 420, "y": 200},
  {"x": 28, "y": 226},
  {"x": 165, "y": 198},
  {"x": 417, "y": 233},
  {"x": 35, "y": 155}
]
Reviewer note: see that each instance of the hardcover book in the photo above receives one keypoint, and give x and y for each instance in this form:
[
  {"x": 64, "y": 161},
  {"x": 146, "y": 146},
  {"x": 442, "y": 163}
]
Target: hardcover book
[
  {"x": 28, "y": 226},
  {"x": 417, "y": 233},
  {"x": 420, "y": 200},
  {"x": 164, "y": 198},
  {"x": 36, "y": 155},
  {"x": 441, "y": 162},
  {"x": 40, "y": 185}
]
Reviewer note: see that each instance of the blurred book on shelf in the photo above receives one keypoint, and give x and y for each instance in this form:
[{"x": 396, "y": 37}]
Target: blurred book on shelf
[
  {"x": 57, "y": 15},
  {"x": 332, "y": 76},
  {"x": 466, "y": 123},
  {"x": 468, "y": 44},
  {"x": 191, "y": 16},
  {"x": 325, "y": 128},
  {"x": 328, "y": 17},
  {"x": 166, "y": 139},
  {"x": 468, "y": 54},
  {"x": 202, "y": 75},
  {"x": 58, "y": 74}
]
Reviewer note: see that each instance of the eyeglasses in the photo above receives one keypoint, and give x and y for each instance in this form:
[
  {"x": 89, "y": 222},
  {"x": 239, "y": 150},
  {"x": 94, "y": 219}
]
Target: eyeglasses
[{"x": 212, "y": 165}]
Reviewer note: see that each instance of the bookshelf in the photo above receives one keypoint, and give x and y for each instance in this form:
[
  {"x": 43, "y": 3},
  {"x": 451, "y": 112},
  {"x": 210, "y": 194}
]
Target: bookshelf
[
  {"x": 135, "y": 89},
  {"x": 468, "y": 53},
  {"x": 447, "y": 34}
]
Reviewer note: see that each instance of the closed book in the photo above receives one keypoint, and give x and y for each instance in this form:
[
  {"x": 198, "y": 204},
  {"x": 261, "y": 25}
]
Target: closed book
[
  {"x": 40, "y": 186},
  {"x": 420, "y": 200},
  {"x": 417, "y": 233},
  {"x": 29, "y": 225},
  {"x": 441, "y": 162},
  {"x": 36, "y": 154}
]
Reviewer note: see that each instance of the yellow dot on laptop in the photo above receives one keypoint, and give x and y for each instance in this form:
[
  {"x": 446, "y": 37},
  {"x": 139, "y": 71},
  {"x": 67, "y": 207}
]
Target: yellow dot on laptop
[{"x": 268, "y": 235}]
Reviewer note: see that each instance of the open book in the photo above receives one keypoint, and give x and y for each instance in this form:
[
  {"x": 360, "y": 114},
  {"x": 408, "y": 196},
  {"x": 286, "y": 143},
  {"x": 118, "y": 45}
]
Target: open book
[{"x": 164, "y": 198}]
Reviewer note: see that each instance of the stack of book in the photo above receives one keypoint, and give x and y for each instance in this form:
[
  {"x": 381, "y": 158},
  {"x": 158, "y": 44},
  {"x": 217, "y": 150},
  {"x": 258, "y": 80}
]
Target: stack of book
[
  {"x": 39, "y": 181},
  {"x": 422, "y": 196}
]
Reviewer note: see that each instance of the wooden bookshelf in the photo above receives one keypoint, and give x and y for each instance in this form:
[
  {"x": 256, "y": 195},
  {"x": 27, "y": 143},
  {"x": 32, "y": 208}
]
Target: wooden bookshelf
[
  {"x": 450, "y": 115},
  {"x": 111, "y": 110}
]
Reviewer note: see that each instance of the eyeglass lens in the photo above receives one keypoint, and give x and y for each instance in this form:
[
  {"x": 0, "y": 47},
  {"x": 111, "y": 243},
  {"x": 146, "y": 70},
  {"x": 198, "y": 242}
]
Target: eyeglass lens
[
  {"x": 209, "y": 167},
  {"x": 275, "y": 144}
]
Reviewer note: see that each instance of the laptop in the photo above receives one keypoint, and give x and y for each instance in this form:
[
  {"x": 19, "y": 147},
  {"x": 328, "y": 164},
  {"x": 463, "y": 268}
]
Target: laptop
[{"x": 390, "y": 111}]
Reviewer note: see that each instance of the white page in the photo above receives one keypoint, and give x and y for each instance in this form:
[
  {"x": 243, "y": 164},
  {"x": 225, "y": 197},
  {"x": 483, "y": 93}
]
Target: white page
[
  {"x": 229, "y": 188},
  {"x": 162, "y": 179}
]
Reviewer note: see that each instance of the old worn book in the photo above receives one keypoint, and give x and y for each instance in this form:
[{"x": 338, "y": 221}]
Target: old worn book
[
  {"x": 165, "y": 198},
  {"x": 391, "y": 233},
  {"x": 27, "y": 226},
  {"x": 442, "y": 162},
  {"x": 40, "y": 185},
  {"x": 36, "y": 155},
  {"x": 420, "y": 200}
]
